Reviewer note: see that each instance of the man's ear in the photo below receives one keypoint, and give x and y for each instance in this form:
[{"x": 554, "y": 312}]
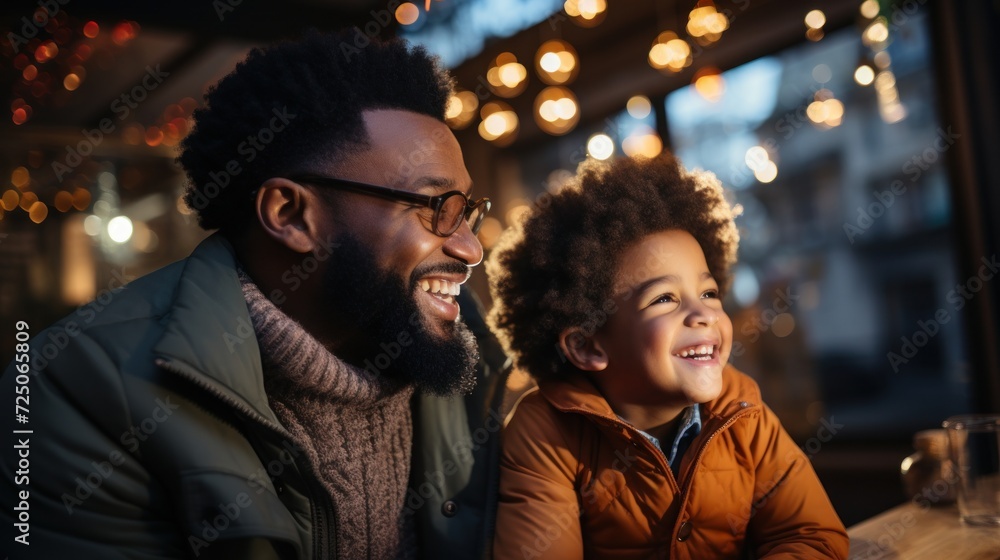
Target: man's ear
[
  {"x": 289, "y": 213},
  {"x": 583, "y": 351}
]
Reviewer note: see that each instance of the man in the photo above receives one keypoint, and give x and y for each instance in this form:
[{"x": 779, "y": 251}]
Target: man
[{"x": 254, "y": 400}]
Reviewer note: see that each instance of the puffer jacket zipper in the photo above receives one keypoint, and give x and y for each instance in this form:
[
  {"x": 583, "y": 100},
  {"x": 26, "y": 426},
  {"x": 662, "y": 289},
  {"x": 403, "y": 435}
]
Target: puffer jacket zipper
[{"x": 321, "y": 521}]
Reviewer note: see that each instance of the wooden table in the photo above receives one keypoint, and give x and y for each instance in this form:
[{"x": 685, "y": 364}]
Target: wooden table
[{"x": 913, "y": 532}]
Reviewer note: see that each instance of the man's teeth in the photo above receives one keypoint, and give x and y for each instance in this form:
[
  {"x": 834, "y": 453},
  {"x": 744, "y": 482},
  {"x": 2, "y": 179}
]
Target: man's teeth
[
  {"x": 440, "y": 287},
  {"x": 703, "y": 352}
]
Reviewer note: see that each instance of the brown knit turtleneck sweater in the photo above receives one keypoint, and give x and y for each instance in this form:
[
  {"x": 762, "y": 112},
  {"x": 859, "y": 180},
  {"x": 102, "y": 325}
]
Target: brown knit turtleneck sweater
[{"x": 355, "y": 429}]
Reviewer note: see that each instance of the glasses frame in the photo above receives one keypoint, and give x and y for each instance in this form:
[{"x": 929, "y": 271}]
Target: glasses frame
[{"x": 435, "y": 202}]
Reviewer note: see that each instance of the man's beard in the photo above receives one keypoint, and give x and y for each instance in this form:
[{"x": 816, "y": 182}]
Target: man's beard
[{"x": 386, "y": 330}]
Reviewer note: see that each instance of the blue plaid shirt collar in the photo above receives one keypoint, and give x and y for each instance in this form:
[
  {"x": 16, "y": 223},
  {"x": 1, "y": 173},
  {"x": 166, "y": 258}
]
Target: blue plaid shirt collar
[{"x": 690, "y": 428}]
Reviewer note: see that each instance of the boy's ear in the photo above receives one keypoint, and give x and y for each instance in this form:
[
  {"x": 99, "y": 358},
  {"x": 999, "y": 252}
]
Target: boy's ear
[{"x": 584, "y": 352}]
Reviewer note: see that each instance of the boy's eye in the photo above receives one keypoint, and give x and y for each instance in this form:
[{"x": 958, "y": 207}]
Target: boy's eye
[
  {"x": 711, "y": 294},
  {"x": 665, "y": 298}
]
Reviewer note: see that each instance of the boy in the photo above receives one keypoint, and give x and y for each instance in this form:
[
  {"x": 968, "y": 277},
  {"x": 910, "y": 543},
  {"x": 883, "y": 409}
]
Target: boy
[{"x": 641, "y": 441}]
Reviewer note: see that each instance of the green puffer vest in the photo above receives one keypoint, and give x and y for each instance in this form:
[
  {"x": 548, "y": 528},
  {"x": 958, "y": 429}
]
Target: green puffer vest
[{"x": 151, "y": 436}]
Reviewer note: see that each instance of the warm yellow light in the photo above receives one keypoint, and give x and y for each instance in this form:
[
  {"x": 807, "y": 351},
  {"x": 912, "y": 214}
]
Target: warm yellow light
[
  {"x": 495, "y": 124},
  {"x": 120, "y": 229},
  {"x": 499, "y": 124},
  {"x": 549, "y": 62},
  {"x": 10, "y": 199},
  {"x": 63, "y": 201},
  {"x": 864, "y": 75},
  {"x": 81, "y": 198},
  {"x": 586, "y": 13},
  {"x": 20, "y": 177},
  {"x": 869, "y": 9},
  {"x": 815, "y": 19},
  {"x": 877, "y": 32},
  {"x": 885, "y": 80},
  {"x": 38, "y": 212},
  {"x": 834, "y": 111},
  {"x": 27, "y": 199},
  {"x": 882, "y": 59},
  {"x": 755, "y": 157},
  {"x": 589, "y": 9},
  {"x": 407, "y": 13},
  {"x": 709, "y": 84},
  {"x": 814, "y": 35},
  {"x": 706, "y": 24},
  {"x": 71, "y": 82},
  {"x": 600, "y": 146},
  {"x": 639, "y": 106},
  {"x": 511, "y": 74},
  {"x": 556, "y": 110},
  {"x": 461, "y": 109},
  {"x": 644, "y": 142},
  {"x": 670, "y": 52},
  {"x": 454, "y": 107},
  {"x": 567, "y": 61},
  {"x": 556, "y": 62},
  {"x": 767, "y": 172},
  {"x": 507, "y": 76},
  {"x": 817, "y": 112}
]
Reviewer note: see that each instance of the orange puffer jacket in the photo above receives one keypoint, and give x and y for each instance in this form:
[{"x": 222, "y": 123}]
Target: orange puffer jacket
[{"x": 577, "y": 482}]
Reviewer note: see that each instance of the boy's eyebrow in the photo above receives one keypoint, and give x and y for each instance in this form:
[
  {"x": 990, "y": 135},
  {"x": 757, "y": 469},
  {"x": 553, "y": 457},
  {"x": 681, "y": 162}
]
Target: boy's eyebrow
[{"x": 667, "y": 279}]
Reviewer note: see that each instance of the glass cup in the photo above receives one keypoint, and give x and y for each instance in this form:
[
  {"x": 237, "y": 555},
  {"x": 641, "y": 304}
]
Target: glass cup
[{"x": 974, "y": 440}]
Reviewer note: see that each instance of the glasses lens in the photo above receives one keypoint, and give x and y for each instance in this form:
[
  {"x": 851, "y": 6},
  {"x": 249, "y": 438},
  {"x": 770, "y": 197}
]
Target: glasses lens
[
  {"x": 451, "y": 214},
  {"x": 476, "y": 216}
]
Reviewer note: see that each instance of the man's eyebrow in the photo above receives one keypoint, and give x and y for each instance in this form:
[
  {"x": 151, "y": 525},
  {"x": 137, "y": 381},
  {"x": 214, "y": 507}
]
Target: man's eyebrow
[{"x": 440, "y": 184}]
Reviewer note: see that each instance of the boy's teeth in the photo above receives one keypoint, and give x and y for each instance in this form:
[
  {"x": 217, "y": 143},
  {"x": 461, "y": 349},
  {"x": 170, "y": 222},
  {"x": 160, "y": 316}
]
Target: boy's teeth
[{"x": 703, "y": 350}]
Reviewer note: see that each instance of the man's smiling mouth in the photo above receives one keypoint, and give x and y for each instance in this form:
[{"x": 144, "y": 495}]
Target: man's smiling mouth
[{"x": 441, "y": 288}]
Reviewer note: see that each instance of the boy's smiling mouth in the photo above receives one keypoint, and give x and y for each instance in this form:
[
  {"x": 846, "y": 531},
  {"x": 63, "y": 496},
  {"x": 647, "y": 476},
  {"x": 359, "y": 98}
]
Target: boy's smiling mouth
[{"x": 704, "y": 352}]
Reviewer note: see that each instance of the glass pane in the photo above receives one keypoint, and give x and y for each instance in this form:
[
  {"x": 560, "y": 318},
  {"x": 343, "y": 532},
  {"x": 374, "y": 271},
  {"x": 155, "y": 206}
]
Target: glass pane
[{"x": 845, "y": 303}]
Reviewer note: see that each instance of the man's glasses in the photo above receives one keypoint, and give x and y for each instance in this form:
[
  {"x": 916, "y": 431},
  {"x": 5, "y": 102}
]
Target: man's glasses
[{"x": 449, "y": 208}]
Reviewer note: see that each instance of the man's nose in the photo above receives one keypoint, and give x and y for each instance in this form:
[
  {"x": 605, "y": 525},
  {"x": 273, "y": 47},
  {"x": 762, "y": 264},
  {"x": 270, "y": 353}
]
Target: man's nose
[{"x": 464, "y": 245}]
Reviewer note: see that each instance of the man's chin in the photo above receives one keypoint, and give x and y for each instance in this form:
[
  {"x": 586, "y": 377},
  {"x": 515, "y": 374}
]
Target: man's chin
[{"x": 444, "y": 358}]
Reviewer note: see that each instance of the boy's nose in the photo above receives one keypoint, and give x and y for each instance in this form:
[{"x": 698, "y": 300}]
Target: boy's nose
[{"x": 702, "y": 316}]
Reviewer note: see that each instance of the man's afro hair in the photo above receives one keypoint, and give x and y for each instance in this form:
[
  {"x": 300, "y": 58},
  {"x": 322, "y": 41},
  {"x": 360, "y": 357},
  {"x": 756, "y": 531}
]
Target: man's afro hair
[
  {"x": 555, "y": 270},
  {"x": 322, "y": 82}
]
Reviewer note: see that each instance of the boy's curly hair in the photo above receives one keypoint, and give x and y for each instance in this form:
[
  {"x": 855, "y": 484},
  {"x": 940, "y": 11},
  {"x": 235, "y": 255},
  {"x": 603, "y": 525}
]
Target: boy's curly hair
[{"x": 556, "y": 270}]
